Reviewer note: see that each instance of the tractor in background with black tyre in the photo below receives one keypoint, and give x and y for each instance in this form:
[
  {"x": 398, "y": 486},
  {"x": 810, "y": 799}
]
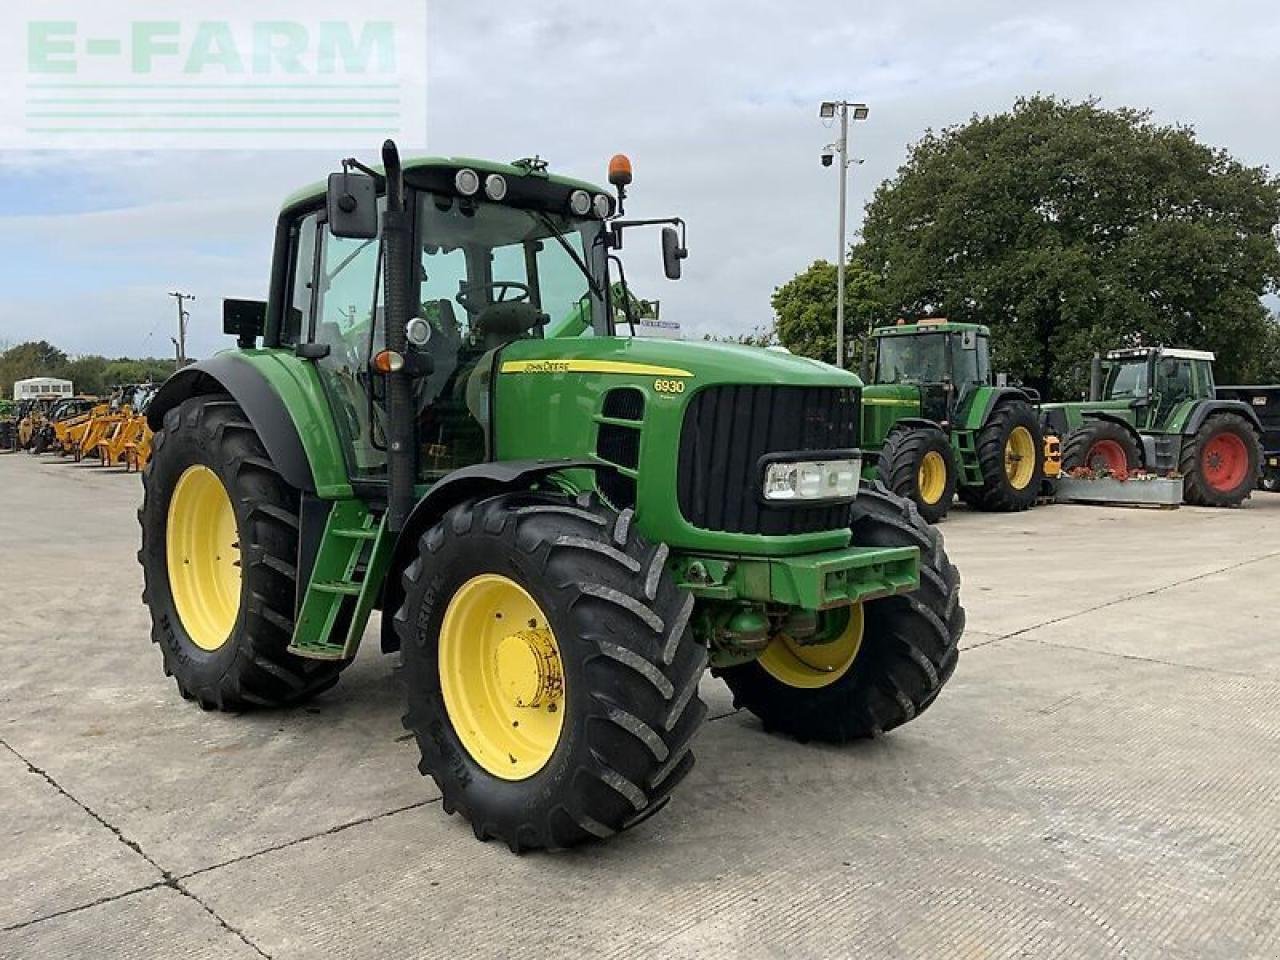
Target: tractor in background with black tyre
[
  {"x": 1156, "y": 409},
  {"x": 935, "y": 424},
  {"x": 434, "y": 415}
]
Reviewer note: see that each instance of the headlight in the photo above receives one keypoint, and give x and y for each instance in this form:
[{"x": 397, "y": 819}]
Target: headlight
[
  {"x": 601, "y": 203},
  {"x": 580, "y": 202},
  {"x": 495, "y": 187},
  {"x": 467, "y": 182},
  {"x": 812, "y": 480}
]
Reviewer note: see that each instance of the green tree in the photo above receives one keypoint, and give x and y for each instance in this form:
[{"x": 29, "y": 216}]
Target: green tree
[
  {"x": 35, "y": 358},
  {"x": 804, "y": 309},
  {"x": 1069, "y": 228}
]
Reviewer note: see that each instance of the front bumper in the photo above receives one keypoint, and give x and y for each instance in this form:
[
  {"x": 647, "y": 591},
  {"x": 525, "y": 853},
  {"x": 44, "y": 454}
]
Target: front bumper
[{"x": 812, "y": 581}]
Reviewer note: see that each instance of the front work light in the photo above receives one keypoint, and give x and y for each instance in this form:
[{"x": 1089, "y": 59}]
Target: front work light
[
  {"x": 580, "y": 202},
  {"x": 495, "y": 186},
  {"x": 812, "y": 480},
  {"x": 466, "y": 182}
]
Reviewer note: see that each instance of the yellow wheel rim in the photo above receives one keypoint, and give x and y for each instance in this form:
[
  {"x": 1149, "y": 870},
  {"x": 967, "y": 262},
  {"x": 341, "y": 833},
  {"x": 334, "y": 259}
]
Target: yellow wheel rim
[
  {"x": 931, "y": 478},
  {"x": 203, "y": 554},
  {"x": 1020, "y": 458},
  {"x": 814, "y": 665},
  {"x": 502, "y": 676}
]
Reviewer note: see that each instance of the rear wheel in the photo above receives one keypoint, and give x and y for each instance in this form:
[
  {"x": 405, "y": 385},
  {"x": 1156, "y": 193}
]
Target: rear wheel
[
  {"x": 1010, "y": 458},
  {"x": 1100, "y": 445},
  {"x": 219, "y": 554},
  {"x": 551, "y": 674},
  {"x": 1221, "y": 463},
  {"x": 918, "y": 464},
  {"x": 888, "y": 658}
]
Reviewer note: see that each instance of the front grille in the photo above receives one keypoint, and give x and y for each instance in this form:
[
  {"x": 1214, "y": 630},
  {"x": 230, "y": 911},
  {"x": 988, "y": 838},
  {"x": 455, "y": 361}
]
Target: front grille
[{"x": 726, "y": 432}]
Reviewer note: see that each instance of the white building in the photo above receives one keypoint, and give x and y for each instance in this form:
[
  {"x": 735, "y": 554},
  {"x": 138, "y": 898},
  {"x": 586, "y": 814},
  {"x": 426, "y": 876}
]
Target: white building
[{"x": 41, "y": 388}]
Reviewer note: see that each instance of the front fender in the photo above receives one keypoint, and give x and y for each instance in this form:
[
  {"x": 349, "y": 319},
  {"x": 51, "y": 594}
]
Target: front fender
[{"x": 476, "y": 481}]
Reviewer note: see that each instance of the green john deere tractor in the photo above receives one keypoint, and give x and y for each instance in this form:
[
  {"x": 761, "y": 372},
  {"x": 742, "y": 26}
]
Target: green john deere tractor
[
  {"x": 934, "y": 424},
  {"x": 434, "y": 416},
  {"x": 1156, "y": 409}
]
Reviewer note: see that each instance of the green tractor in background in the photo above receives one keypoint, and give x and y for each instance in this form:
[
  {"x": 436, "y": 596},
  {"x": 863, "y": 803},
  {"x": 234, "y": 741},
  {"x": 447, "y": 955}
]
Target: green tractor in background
[
  {"x": 1157, "y": 409},
  {"x": 934, "y": 424},
  {"x": 434, "y": 415}
]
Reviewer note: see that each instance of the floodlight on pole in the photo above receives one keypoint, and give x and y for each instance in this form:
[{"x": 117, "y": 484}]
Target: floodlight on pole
[{"x": 828, "y": 110}]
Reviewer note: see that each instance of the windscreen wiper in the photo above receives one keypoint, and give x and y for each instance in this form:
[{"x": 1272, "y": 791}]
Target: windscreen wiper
[{"x": 573, "y": 254}]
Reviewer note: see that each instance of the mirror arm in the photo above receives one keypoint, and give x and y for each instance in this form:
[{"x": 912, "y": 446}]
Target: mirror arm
[{"x": 350, "y": 162}]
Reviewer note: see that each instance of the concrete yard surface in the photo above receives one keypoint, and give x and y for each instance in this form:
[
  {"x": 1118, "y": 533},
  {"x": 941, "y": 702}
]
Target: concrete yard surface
[{"x": 1099, "y": 779}]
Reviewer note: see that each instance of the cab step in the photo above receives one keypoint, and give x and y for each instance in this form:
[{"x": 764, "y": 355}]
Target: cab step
[{"x": 344, "y": 584}]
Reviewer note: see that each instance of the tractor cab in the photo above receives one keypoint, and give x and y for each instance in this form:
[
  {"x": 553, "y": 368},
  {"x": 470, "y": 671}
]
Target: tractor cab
[
  {"x": 1155, "y": 381},
  {"x": 939, "y": 361}
]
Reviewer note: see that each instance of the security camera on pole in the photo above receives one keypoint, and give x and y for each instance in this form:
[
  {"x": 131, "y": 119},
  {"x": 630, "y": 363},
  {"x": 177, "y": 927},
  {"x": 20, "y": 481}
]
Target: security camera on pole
[{"x": 827, "y": 111}]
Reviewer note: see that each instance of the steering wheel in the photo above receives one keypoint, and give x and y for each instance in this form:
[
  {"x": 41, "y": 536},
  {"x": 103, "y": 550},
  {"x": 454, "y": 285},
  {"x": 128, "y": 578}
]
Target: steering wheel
[{"x": 497, "y": 293}]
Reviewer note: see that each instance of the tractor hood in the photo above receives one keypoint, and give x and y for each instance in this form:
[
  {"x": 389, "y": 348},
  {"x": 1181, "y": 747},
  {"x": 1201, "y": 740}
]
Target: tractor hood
[{"x": 695, "y": 364}]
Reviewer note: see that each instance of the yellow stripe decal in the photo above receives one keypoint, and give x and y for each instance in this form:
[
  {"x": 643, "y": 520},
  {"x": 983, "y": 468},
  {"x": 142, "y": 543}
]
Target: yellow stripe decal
[
  {"x": 592, "y": 366},
  {"x": 887, "y": 402}
]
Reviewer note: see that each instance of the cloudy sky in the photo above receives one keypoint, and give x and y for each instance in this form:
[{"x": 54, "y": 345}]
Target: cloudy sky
[{"x": 716, "y": 103}]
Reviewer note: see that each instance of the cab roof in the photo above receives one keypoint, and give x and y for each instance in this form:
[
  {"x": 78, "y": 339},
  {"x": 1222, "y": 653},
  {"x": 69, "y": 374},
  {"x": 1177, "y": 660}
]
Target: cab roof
[
  {"x": 315, "y": 192},
  {"x": 1175, "y": 352},
  {"x": 930, "y": 326}
]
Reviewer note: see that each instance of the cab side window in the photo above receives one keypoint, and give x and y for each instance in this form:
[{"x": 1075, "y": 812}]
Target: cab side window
[{"x": 301, "y": 297}]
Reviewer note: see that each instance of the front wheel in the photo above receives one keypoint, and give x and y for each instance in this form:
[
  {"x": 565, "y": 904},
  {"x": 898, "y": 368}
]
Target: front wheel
[
  {"x": 552, "y": 678},
  {"x": 1221, "y": 463},
  {"x": 1011, "y": 459},
  {"x": 886, "y": 660},
  {"x": 917, "y": 463}
]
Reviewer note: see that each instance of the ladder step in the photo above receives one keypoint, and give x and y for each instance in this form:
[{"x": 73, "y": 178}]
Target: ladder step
[
  {"x": 349, "y": 589},
  {"x": 356, "y": 533}
]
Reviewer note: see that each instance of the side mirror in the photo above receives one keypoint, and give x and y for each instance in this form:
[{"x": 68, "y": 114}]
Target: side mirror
[
  {"x": 672, "y": 253},
  {"x": 351, "y": 203},
  {"x": 245, "y": 320}
]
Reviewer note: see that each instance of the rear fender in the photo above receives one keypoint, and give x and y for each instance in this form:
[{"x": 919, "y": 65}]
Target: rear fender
[
  {"x": 1207, "y": 407},
  {"x": 262, "y": 403}
]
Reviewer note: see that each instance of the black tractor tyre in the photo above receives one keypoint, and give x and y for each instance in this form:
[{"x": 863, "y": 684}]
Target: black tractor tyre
[
  {"x": 253, "y": 667},
  {"x": 997, "y": 493},
  {"x": 899, "y": 468},
  {"x": 41, "y": 441},
  {"x": 631, "y": 666},
  {"x": 1099, "y": 444},
  {"x": 909, "y": 648},
  {"x": 1224, "y": 439}
]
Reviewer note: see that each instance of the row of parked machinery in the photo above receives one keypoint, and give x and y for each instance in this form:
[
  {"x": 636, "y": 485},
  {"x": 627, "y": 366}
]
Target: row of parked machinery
[
  {"x": 937, "y": 424},
  {"x": 111, "y": 430}
]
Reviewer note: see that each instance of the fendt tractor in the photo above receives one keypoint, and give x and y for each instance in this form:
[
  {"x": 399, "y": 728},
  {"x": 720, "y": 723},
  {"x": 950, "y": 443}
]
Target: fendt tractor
[
  {"x": 934, "y": 423},
  {"x": 433, "y": 415},
  {"x": 1156, "y": 409}
]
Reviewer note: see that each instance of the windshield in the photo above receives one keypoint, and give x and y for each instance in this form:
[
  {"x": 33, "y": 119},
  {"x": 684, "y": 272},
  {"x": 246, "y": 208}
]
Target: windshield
[
  {"x": 914, "y": 358},
  {"x": 1126, "y": 379},
  {"x": 489, "y": 274},
  {"x": 475, "y": 255}
]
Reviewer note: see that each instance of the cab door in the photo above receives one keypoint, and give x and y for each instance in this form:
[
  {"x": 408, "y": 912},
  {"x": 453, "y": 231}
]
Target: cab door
[{"x": 337, "y": 321}]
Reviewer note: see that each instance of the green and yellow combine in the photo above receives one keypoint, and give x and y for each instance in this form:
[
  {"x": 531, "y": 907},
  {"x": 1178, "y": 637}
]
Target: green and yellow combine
[{"x": 433, "y": 415}]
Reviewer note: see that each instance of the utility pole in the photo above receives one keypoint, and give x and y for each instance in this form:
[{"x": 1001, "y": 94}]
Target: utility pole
[
  {"x": 827, "y": 111},
  {"x": 180, "y": 343}
]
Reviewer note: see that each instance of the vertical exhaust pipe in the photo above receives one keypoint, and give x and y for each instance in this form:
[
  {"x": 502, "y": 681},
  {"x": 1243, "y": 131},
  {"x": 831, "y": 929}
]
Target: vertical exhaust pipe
[
  {"x": 401, "y": 441},
  {"x": 1095, "y": 378}
]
